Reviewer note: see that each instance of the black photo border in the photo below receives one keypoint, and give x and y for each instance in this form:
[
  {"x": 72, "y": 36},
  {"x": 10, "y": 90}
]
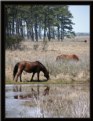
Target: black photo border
[{"x": 3, "y": 3}]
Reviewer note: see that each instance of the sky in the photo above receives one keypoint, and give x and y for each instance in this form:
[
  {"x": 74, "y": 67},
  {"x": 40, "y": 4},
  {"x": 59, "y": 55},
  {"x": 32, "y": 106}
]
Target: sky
[{"x": 81, "y": 17}]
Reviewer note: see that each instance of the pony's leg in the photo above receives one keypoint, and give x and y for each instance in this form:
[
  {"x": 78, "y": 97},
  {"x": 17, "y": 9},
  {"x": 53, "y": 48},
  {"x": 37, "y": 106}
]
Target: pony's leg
[
  {"x": 21, "y": 75},
  {"x": 18, "y": 74},
  {"x": 20, "y": 78},
  {"x": 32, "y": 76},
  {"x": 38, "y": 76},
  {"x": 16, "y": 78}
]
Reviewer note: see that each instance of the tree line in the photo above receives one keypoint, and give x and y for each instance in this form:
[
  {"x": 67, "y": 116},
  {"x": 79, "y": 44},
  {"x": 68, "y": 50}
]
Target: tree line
[{"x": 38, "y": 22}]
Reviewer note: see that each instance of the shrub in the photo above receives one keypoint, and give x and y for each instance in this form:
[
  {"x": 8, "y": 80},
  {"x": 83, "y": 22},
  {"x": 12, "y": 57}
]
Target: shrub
[
  {"x": 35, "y": 46},
  {"x": 13, "y": 42},
  {"x": 45, "y": 45}
]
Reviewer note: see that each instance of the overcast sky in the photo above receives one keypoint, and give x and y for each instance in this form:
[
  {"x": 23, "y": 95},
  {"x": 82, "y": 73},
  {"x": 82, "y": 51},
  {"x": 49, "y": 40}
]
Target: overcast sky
[{"x": 81, "y": 14}]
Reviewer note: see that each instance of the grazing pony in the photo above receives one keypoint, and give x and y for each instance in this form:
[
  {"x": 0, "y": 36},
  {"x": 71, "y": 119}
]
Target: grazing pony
[
  {"x": 67, "y": 57},
  {"x": 30, "y": 67},
  {"x": 85, "y": 41}
]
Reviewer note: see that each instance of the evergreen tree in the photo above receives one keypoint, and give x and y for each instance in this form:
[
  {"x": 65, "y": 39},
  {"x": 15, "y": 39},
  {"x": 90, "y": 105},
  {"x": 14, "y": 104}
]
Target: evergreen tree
[{"x": 40, "y": 21}]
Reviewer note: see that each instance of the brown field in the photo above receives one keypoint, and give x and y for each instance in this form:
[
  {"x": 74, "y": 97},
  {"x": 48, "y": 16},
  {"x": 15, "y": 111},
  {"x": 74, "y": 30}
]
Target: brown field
[
  {"x": 70, "y": 100},
  {"x": 46, "y": 52}
]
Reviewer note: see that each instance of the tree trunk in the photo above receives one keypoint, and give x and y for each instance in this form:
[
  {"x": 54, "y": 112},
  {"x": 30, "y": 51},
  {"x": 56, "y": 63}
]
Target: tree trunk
[
  {"x": 13, "y": 25},
  {"x": 49, "y": 37},
  {"x": 62, "y": 28},
  {"x": 21, "y": 28},
  {"x": 6, "y": 22},
  {"x": 40, "y": 31},
  {"x": 45, "y": 28},
  {"x": 17, "y": 26},
  {"x": 53, "y": 33},
  {"x": 58, "y": 32},
  {"x": 36, "y": 33},
  {"x": 32, "y": 34}
]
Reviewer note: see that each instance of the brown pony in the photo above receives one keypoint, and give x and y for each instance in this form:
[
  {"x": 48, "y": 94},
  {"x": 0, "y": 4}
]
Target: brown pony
[
  {"x": 85, "y": 41},
  {"x": 67, "y": 57},
  {"x": 30, "y": 67}
]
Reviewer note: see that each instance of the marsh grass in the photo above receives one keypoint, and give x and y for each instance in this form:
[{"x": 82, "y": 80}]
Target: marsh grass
[
  {"x": 63, "y": 71},
  {"x": 71, "y": 70},
  {"x": 63, "y": 101}
]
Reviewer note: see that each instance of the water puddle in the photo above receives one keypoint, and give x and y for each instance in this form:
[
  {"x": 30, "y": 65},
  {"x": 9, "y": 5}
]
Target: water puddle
[{"x": 52, "y": 100}]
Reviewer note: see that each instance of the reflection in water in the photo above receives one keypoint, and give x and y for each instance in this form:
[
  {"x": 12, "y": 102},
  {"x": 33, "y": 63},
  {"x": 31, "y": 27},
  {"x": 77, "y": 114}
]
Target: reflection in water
[
  {"x": 23, "y": 96},
  {"x": 46, "y": 91},
  {"x": 47, "y": 101},
  {"x": 32, "y": 94},
  {"x": 17, "y": 88}
]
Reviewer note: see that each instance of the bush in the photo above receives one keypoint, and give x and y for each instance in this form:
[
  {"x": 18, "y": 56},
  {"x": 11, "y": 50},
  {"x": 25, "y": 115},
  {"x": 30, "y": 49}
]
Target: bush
[
  {"x": 13, "y": 42},
  {"x": 45, "y": 45},
  {"x": 35, "y": 46}
]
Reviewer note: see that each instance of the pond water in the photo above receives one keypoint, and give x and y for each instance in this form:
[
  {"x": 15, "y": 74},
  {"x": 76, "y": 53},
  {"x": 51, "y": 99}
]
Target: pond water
[{"x": 47, "y": 100}]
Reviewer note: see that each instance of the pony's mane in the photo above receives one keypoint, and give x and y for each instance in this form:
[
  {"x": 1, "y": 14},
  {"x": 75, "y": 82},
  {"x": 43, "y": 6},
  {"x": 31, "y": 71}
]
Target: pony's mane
[{"x": 42, "y": 65}]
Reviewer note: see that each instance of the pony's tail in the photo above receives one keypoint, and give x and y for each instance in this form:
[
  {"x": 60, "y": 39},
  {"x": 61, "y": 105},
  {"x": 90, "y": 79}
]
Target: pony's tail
[{"x": 15, "y": 70}]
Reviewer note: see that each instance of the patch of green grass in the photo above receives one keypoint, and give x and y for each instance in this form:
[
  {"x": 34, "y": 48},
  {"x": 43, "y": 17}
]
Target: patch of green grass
[{"x": 56, "y": 81}]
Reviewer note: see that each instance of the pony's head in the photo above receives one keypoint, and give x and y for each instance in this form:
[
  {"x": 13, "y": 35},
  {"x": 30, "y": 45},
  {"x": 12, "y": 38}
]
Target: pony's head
[
  {"x": 75, "y": 57},
  {"x": 46, "y": 74}
]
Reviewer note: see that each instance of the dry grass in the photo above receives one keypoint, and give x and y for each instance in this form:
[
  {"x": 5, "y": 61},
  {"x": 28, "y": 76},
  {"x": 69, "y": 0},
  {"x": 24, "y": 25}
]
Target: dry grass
[
  {"x": 47, "y": 53},
  {"x": 63, "y": 101}
]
